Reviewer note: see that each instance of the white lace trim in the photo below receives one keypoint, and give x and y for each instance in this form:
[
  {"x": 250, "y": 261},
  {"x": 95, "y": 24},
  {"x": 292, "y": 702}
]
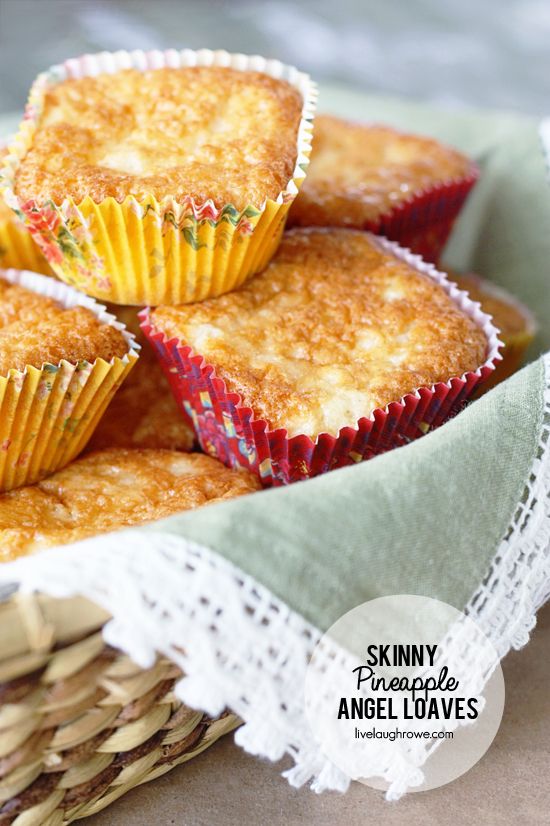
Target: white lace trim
[{"x": 245, "y": 649}]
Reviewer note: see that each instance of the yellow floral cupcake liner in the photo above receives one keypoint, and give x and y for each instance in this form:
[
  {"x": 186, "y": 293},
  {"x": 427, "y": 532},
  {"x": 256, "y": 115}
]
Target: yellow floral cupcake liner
[
  {"x": 48, "y": 415},
  {"x": 17, "y": 248},
  {"x": 142, "y": 251}
]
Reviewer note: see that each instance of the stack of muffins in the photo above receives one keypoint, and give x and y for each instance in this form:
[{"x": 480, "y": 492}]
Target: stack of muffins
[{"x": 162, "y": 181}]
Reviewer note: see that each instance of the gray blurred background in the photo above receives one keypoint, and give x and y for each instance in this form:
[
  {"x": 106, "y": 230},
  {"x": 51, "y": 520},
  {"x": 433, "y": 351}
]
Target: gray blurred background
[{"x": 455, "y": 53}]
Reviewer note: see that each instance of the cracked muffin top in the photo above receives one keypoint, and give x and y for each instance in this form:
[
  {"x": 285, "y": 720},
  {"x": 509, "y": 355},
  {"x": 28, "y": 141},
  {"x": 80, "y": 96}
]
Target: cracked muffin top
[
  {"x": 37, "y": 330},
  {"x": 200, "y": 132},
  {"x": 109, "y": 490},
  {"x": 335, "y": 327},
  {"x": 358, "y": 172}
]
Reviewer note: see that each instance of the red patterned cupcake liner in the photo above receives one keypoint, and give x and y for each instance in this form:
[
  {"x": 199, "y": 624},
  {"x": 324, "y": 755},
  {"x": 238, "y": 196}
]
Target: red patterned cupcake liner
[
  {"x": 424, "y": 222},
  {"x": 229, "y": 431}
]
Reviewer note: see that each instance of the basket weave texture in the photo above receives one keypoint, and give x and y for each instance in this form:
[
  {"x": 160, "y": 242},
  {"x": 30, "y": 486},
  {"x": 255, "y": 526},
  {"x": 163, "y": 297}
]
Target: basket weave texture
[{"x": 80, "y": 723}]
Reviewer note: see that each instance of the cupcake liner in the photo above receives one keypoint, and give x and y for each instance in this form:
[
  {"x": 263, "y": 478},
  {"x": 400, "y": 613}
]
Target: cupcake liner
[
  {"x": 17, "y": 248},
  {"x": 142, "y": 251},
  {"x": 229, "y": 431},
  {"x": 48, "y": 415},
  {"x": 424, "y": 222}
]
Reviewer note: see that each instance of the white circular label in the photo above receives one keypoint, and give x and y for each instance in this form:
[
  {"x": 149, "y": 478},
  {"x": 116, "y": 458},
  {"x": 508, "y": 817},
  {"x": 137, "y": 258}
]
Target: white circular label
[{"x": 405, "y": 692}]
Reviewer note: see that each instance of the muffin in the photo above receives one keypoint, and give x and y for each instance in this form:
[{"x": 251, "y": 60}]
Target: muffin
[
  {"x": 319, "y": 360},
  {"x": 37, "y": 330},
  {"x": 144, "y": 413},
  {"x": 62, "y": 357},
  {"x": 406, "y": 187},
  {"x": 77, "y": 502},
  {"x": 17, "y": 248},
  {"x": 160, "y": 177},
  {"x": 516, "y": 323}
]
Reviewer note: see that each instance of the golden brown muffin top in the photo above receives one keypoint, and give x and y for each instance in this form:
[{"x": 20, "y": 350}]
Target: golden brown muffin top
[
  {"x": 144, "y": 412},
  {"x": 510, "y": 316},
  {"x": 332, "y": 329},
  {"x": 358, "y": 172},
  {"x": 109, "y": 490},
  {"x": 36, "y": 330},
  {"x": 204, "y": 132}
]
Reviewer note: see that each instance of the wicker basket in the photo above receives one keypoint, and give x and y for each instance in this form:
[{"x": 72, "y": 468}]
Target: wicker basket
[{"x": 80, "y": 723}]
